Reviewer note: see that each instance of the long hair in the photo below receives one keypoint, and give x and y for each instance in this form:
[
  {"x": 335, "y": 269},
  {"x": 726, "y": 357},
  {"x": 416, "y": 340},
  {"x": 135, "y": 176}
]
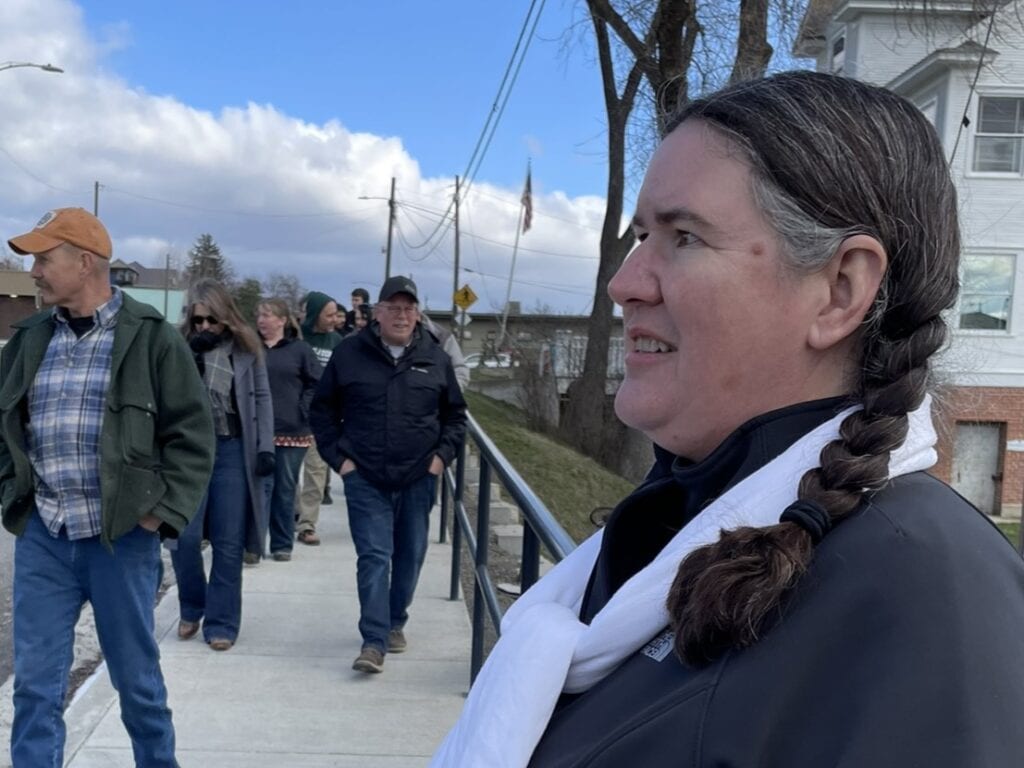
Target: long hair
[
  {"x": 211, "y": 293},
  {"x": 279, "y": 308},
  {"x": 830, "y": 157}
]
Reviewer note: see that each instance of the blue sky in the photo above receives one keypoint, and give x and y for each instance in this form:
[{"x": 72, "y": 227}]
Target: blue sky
[
  {"x": 427, "y": 72},
  {"x": 269, "y": 124},
  {"x": 265, "y": 124}
]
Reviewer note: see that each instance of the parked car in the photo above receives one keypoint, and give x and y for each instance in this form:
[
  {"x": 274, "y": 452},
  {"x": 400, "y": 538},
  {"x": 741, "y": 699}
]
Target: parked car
[{"x": 478, "y": 360}]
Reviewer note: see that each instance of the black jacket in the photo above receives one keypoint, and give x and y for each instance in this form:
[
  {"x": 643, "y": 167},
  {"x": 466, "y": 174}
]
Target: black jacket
[
  {"x": 901, "y": 646},
  {"x": 390, "y": 417},
  {"x": 294, "y": 371}
]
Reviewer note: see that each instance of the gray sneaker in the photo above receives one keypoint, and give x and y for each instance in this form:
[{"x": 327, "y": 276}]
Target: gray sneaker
[
  {"x": 396, "y": 641},
  {"x": 369, "y": 660}
]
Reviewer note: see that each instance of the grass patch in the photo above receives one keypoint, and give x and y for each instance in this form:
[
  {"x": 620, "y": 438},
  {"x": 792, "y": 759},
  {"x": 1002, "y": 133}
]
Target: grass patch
[
  {"x": 569, "y": 484},
  {"x": 1012, "y": 532}
]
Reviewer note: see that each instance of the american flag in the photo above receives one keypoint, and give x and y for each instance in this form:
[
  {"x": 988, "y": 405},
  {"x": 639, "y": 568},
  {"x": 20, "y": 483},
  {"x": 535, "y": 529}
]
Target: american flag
[{"x": 527, "y": 201}]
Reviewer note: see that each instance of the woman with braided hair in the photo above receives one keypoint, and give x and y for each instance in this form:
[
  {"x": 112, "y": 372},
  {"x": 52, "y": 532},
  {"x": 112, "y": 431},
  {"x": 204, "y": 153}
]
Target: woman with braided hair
[{"x": 788, "y": 588}]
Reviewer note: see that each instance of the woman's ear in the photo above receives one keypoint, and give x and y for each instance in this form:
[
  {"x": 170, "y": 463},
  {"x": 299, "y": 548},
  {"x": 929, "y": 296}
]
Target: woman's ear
[{"x": 854, "y": 276}]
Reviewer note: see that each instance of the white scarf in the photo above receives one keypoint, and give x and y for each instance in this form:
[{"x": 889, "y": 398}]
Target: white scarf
[{"x": 545, "y": 650}]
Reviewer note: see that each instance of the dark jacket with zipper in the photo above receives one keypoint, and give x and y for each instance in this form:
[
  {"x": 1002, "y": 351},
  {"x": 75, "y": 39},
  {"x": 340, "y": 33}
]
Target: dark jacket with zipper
[
  {"x": 294, "y": 371},
  {"x": 156, "y": 439},
  {"x": 901, "y": 646},
  {"x": 390, "y": 417}
]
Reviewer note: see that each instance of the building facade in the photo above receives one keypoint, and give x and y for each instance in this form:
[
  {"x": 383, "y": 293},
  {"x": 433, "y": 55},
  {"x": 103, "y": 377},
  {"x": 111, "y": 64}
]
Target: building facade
[
  {"x": 964, "y": 68},
  {"x": 161, "y": 289}
]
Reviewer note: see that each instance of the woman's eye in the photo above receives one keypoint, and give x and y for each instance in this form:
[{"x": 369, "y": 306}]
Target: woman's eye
[{"x": 684, "y": 238}]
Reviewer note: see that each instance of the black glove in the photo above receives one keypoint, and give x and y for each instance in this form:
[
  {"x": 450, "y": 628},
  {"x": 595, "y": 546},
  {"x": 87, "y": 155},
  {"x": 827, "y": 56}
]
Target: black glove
[
  {"x": 204, "y": 342},
  {"x": 265, "y": 462}
]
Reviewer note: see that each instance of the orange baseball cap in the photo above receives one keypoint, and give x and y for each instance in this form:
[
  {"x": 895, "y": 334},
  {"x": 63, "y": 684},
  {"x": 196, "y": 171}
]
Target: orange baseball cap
[{"x": 65, "y": 225}]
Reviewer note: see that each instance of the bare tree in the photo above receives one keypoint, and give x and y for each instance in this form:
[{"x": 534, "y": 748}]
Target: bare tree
[
  {"x": 281, "y": 286},
  {"x": 11, "y": 262}
]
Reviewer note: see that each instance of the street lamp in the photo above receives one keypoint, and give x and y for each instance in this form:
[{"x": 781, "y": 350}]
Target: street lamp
[{"x": 44, "y": 67}]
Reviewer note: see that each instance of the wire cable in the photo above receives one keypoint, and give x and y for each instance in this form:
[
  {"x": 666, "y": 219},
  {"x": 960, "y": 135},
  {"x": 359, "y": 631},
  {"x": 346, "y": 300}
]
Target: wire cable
[
  {"x": 974, "y": 84},
  {"x": 224, "y": 211},
  {"x": 494, "y": 116}
]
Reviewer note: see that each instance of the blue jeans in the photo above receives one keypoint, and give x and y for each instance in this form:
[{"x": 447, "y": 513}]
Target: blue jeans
[
  {"x": 53, "y": 577},
  {"x": 221, "y": 516},
  {"x": 279, "y": 497},
  {"x": 389, "y": 530}
]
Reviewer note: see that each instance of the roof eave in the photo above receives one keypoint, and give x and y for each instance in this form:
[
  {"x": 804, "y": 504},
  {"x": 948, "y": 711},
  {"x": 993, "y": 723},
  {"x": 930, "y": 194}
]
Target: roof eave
[{"x": 938, "y": 62}]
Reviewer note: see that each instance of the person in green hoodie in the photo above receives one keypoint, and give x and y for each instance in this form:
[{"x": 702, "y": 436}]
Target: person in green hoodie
[{"x": 321, "y": 318}]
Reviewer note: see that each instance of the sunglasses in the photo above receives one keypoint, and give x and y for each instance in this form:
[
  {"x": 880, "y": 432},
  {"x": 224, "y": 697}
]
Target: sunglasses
[{"x": 200, "y": 319}]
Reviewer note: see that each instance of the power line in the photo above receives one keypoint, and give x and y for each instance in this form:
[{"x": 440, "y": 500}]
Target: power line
[
  {"x": 33, "y": 176},
  {"x": 225, "y": 211},
  {"x": 517, "y": 201},
  {"x": 483, "y": 142},
  {"x": 476, "y": 254},
  {"x": 469, "y": 233},
  {"x": 535, "y": 284},
  {"x": 534, "y": 250},
  {"x": 471, "y": 176},
  {"x": 974, "y": 83}
]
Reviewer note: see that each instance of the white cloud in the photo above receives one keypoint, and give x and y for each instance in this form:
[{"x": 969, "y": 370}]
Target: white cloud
[{"x": 279, "y": 194}]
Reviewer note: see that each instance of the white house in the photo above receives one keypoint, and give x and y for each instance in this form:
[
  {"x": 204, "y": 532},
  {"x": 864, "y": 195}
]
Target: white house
[{"x": 964, "y": 69}]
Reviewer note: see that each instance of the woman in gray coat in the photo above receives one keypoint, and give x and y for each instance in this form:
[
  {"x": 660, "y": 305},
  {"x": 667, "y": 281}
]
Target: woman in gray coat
[{"x": 230, "y": 359}]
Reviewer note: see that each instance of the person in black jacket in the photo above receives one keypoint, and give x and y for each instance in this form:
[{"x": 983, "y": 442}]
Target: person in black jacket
[
  {"x": 788, "y": 588},
  {"x": 293, "y": 370},
  {"x": 388, "y": 415}
]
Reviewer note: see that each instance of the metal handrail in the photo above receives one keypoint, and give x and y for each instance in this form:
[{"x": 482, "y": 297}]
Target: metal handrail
[{"x": 539, "y": 527}]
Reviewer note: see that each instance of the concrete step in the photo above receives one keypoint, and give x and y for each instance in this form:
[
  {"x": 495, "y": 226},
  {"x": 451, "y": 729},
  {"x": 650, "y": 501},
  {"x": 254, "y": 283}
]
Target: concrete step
[
  {"x": 516, "y": 588},
  {"x": 509, "y": 538},
  {"x": 504, "y": 513},
  {"x": 472, "y": 486}
]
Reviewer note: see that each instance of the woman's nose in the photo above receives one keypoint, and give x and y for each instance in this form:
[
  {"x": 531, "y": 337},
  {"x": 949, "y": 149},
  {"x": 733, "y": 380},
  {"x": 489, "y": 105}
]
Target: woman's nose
[{"x": 636, "y": 280}]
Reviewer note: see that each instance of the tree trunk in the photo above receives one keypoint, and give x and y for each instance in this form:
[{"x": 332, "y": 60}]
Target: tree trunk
[
  {"x": 582, "y": 426},
  {"x": 753, "y": 51}
]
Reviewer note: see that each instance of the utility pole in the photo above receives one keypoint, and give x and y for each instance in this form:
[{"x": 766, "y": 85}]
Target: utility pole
[
  {"x": 391, "y": 224},
  {"x": 96, "y": 199},
  {"x": 456, "y": 327},
  {"x": 167, "y": 283}
]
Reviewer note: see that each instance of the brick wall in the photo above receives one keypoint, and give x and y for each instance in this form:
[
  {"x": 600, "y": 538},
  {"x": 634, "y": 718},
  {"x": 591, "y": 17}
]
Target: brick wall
[{"x": 993, "y": 405}]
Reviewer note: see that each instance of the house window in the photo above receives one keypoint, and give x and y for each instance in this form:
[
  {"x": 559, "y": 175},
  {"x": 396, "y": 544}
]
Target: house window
[
  {"x": 997, "y": 144},
  {"x": 987, "y": 292}
]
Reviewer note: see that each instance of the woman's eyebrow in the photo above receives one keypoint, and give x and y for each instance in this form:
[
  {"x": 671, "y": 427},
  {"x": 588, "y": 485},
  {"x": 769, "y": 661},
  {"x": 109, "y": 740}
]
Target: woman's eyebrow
[{"x": 674, "y": 216}]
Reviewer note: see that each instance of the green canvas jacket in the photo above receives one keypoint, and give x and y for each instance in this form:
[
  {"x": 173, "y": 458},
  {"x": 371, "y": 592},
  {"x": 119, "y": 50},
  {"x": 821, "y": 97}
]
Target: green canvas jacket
[{"x": 156, "y": 442}]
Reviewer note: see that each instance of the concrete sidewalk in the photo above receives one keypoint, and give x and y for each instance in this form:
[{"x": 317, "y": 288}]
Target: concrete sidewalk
[{"x": 286, "y": 696}]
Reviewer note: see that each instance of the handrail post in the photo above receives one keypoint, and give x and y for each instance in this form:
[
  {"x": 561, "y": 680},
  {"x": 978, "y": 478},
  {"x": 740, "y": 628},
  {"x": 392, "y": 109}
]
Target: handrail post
[
  {"x": 460, "y": 474},
  {"x": 531, "y": 559},
  {"x": 483, "y": 514},
  {"x": 443, "y": 535}
]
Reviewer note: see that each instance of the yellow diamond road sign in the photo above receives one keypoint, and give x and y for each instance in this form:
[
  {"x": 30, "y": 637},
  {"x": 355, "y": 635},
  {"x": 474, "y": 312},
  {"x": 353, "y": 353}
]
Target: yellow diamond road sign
[{"x": 465, "y": 298}]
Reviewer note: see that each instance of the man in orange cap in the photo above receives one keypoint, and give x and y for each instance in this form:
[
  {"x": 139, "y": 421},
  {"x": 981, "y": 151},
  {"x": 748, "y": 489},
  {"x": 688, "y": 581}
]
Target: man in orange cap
[{"x": 106, "y": 445}]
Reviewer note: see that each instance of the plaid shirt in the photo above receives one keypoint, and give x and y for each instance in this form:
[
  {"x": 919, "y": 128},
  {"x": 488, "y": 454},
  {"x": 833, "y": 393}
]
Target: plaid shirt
[{"x": 65, "y": 405}]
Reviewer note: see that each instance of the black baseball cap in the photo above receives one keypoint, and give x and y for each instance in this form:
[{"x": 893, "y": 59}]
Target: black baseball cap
[{"x": 398, "y": 284}]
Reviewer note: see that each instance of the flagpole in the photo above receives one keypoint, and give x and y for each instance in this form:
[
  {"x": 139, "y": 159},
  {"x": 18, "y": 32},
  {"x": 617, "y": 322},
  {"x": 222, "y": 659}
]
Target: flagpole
[
  {"x": 511, "y": 272},
  {"x": 523, "y": 222}
]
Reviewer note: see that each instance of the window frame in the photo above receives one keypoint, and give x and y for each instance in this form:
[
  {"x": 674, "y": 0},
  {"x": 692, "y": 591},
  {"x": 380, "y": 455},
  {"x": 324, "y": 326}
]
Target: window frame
[
  {"x": 995, "y": 93},
  {"x": 1014, "y": 257}
]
